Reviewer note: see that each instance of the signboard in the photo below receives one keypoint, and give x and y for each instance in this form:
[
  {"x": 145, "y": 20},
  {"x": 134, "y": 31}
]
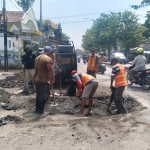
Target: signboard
[{"x": 51, "y": 24}]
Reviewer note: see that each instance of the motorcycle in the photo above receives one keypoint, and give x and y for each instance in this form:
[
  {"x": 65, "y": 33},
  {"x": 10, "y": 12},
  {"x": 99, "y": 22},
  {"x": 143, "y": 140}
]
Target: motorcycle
[
  {"x": 142, "y": 78},
  {"x": 84, "y": 61},
  {"x": 102, "y": 68},
  {"x": 78, "y": 60}
]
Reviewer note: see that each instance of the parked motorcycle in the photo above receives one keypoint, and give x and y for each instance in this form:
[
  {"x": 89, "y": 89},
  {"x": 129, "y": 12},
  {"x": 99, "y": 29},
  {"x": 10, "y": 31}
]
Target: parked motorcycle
[
  {"x": 142, "y": 78},
  {"x": 102, "y": 68}
]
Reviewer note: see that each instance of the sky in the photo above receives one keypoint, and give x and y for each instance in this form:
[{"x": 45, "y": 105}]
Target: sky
[{"x": 75, "y": 16}]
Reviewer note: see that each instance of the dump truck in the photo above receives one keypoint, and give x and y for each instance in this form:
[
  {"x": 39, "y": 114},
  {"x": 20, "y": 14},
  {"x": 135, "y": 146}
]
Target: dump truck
[{"x": 66, "y": 59}]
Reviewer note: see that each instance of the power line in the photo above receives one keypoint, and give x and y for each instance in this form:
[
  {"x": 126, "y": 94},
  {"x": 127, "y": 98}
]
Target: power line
[
  {"x": 88, "y": 14},
  {"x": 75, "y": 22}
]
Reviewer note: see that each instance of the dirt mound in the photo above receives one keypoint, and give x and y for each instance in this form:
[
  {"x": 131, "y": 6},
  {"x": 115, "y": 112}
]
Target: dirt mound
[{"x": 15, "y": 80}]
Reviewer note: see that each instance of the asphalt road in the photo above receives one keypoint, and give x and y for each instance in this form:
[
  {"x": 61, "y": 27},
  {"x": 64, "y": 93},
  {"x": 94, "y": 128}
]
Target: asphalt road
[{"x": 135, "y": 91}]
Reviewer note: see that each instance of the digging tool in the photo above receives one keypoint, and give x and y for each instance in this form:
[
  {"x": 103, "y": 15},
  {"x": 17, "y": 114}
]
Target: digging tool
[
  {"x": 111, "y": 100},
  {"x": 60, "y": 84},
  {"x": 53, "y": 96}
]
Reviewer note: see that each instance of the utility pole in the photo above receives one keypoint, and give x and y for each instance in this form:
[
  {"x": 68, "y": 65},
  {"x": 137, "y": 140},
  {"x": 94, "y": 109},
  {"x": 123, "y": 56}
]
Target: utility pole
[
  {"x": 41, "y": 15},
  {"x": 5, "y": 37}
]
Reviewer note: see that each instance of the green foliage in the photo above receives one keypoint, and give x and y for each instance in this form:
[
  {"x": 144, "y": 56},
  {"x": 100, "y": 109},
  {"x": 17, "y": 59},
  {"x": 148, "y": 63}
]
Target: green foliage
[
  {"x": 115, "y": 30},
  {"x": 147, "y": 25},
  {"x": 130, "y": 32},
  {"x": 25, "y": 4},
  {"x": 65, "y": 37},
  {"x": 143, "y": 4},
  {"x": 78, "y": 51}
]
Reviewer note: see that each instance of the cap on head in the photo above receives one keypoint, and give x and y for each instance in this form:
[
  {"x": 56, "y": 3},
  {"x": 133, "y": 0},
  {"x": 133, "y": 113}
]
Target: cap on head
[
  {"x": 73, "y": 72},
  {"x": 48, "y": 49}
]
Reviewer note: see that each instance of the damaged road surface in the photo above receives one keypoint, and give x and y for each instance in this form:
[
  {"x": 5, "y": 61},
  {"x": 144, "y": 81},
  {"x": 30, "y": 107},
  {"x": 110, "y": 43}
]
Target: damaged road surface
[{"x": 60, "y": 129}]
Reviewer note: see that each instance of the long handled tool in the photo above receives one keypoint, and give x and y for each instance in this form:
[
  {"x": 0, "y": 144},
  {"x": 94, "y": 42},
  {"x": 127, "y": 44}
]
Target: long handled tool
[
  {"x": 111, "y": 100},
  {"x": 60, "y": 84},
  {"x": 53, "y": 96}
]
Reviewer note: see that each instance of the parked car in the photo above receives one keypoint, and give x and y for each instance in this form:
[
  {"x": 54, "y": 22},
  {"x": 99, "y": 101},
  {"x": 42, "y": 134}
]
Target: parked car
[{"x": 120, "y": 56}]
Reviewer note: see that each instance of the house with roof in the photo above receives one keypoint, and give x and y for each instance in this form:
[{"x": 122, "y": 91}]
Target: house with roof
[{"x": 24, "y": 29}]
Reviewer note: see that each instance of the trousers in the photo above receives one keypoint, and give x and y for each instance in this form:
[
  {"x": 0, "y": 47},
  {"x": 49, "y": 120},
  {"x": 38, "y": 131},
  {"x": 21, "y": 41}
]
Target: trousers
[
  {"x": 42, "y": 94},
  {"x": 29, "y": 73},
  {"x": 118, "y": 98}
]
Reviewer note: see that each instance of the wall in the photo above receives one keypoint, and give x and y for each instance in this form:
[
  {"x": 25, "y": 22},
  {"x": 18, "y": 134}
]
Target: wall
[{"x": 14, "y": 46}]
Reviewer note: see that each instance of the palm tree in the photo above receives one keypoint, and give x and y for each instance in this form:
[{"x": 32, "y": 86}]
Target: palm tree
[{"x": 25, "y": 4}]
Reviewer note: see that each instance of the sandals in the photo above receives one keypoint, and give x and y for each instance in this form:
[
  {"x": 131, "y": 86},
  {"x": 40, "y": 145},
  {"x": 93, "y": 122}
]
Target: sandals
[{"x": 89, "y": 114}]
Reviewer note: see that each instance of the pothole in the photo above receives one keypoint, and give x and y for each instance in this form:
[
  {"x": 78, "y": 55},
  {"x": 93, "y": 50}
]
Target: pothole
[{"x": 67, "y": 105}]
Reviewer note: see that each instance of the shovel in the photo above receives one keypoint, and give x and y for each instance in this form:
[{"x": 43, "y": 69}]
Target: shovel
[
  {"x": 53, "y": 96},
  {"x": 60, "y": 83}
]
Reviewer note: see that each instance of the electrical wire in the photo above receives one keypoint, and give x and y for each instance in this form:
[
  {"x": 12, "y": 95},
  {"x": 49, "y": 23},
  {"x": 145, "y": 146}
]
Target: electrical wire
[{"x": 88, "y": 14}]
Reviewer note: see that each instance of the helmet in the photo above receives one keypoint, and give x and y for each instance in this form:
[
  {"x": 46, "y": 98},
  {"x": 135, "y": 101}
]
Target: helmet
[
  {"x": 73, "y": 72},
  {"x": 140, "y": 51},
  {"x": 48, "y": 49}
]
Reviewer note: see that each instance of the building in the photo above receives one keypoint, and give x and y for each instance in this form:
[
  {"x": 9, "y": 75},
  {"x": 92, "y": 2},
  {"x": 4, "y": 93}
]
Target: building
[{"x": 25, "y": 29}]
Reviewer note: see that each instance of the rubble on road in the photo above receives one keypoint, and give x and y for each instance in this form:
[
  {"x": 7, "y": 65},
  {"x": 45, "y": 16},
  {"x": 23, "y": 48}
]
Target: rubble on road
[
  {"x": 67, "y": 105},
  {"x": 11, "y": 81}
]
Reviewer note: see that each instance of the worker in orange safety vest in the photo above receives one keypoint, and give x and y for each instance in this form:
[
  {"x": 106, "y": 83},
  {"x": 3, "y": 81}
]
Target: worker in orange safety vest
[
  {"x": 118, "y": 75},
  {"x": 90, "y": 85},
  {"x": 93, "y": 63}
]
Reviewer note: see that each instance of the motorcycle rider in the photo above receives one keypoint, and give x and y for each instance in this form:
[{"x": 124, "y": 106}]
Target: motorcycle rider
[
  {"x": 138, "y": 63},
  {"x": 118, "y": 75},
  {"x": 93, "y": 62},
  {"x": 102, "y": 58},
  {"x": 84, "y": 58}
]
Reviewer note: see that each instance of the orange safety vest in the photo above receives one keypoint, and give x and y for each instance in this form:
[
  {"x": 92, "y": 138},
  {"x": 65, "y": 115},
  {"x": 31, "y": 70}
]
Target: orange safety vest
[
  {"x": 120, "y": 78},
  {"x": 85, "y": 78},
  {"x": 92, "y": 63}
]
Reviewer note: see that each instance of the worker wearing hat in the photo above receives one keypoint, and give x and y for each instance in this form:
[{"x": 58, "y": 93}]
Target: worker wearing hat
[
  {"x": 43, "y": 77},
  {"x": 90, "y": 85}
]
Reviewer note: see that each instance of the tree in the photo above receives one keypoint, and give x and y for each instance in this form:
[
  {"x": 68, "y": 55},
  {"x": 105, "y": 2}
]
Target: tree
[
  {"x": 25, "y": 4},
  {"x": 65, "y": 37},
  {"x": 130, "y": 33},
  {"x": 115, "y": 30},
  {"x": 87, "y": 39},
  {"x": 147, "y": 25},
  {"x": 143, "y": 4}
]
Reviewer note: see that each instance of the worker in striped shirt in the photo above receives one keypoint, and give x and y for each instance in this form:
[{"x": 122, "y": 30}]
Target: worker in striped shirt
[{"x": 118, "y": 75}]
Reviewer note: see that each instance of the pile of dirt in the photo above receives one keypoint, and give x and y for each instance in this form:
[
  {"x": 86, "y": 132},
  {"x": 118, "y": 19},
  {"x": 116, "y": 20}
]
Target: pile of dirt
[
  {"x": 17, "y": 80},
  {"x": 66, "y": 105},
  {"x": 71, "y": 105}
]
